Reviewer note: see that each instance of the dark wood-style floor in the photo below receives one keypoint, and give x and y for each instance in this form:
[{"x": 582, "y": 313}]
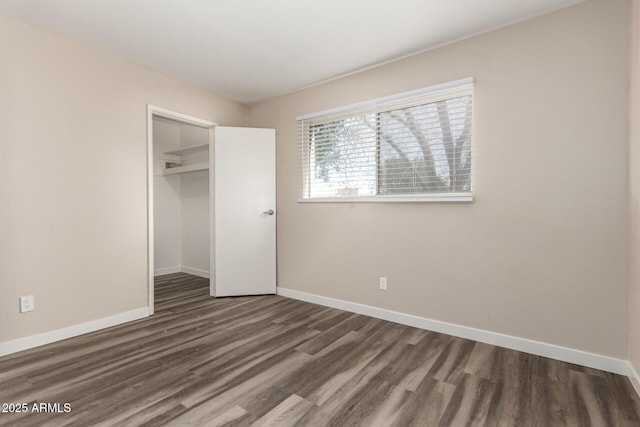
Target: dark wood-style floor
[{"x": 270, "y": 360}]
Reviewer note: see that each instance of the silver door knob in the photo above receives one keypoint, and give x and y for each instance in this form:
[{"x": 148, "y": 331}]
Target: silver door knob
[{"x": 269, "y": 212}]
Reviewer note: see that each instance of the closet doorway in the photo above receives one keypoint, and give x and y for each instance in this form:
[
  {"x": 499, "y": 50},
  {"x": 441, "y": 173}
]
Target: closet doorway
[{"x": 211, "y": 203}]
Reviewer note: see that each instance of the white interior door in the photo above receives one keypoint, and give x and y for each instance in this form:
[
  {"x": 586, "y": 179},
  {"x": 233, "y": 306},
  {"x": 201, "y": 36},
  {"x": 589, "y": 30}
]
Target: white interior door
[{"x": 244, "y": 212}]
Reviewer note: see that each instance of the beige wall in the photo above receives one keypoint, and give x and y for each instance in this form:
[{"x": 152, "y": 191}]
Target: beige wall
[
  {"x": 541, "y": 253},
  {"x": 634, "y": 194},
  {"x": 73, "y": 225}
]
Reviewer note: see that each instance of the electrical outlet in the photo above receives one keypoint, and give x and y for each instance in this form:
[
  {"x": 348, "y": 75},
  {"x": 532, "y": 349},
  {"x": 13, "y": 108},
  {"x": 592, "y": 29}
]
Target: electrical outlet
[
  {"x": 26, "y": 304},
  {"x": 383, "y": 283}
]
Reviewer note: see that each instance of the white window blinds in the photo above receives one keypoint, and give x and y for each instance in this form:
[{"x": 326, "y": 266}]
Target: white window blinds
[{"x": 412, "y": 144}]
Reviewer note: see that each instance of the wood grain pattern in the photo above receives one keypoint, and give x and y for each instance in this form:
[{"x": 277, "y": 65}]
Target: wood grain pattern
[{"x": 272, "y": 361}]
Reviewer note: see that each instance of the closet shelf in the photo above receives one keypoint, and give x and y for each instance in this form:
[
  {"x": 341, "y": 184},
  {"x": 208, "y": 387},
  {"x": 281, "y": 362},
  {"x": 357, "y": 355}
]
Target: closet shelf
[
  {"x": 189, "y": 150},
  {"x": 186, "y": 168}
]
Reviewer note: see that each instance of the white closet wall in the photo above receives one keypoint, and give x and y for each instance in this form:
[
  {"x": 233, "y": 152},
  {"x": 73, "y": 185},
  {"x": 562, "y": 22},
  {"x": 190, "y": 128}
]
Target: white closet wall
[
  {"x": 167, "y": 205},
  {"x": 195, "y": 223},
  {"x": 181, "y": 203}
]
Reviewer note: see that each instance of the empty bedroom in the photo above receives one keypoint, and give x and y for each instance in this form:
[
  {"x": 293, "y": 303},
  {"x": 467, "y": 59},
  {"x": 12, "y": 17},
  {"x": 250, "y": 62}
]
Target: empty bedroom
[{"x": 320, "y": 213}]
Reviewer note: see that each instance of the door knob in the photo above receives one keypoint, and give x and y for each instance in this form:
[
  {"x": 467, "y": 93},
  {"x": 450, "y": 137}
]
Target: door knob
[{"x": 269, "y": 212}]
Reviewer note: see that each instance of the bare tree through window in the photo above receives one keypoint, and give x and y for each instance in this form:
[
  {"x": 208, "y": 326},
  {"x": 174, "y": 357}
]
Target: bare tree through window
[{"x": 419, "y": 149}]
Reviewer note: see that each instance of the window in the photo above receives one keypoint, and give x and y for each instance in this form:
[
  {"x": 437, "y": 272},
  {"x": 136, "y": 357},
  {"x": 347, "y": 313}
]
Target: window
[{"x": 414, "y": 146}]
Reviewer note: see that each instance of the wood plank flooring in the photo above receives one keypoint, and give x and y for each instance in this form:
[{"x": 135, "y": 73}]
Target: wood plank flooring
[{"x": 268, "y": 360}]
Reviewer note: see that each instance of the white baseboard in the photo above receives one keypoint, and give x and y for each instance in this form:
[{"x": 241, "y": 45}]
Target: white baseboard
[
  {"x": 167, "y": 270},
  {"x": 195, "y": 271},
  {"x": 181, "y": 269},
  {"x": 565, "y": 354},
  {"x": 14, "y": 346}
]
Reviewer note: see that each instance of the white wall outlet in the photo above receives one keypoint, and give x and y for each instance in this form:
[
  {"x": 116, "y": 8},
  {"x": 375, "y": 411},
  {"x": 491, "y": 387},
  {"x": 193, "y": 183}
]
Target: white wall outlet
[
  {"x": 383, "y": 283},
  {"x": 26, "y": 304}
]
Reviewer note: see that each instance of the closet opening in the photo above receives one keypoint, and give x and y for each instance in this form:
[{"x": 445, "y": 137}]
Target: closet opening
[{"x": 180, "y": 205}]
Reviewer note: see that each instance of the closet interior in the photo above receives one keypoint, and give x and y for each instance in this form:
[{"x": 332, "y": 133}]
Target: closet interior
[{"x": 181, "y": 195}]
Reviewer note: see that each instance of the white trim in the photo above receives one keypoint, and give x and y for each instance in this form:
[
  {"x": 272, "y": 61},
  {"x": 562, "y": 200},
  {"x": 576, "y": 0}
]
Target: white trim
[
  {"x": 150, "y": 227},
  {"x": 388, "y": 99},
  {"x": 167, "y": 270},
  {"x": 212, "y": 214},
  {"x": 20, "y": 344},
  {"x": 427, "y": 198},
  {"x": 634, "y": 378},
  {"x": 181, "y": 269},
  {"x": 579, "y": 357},
  {"x": 195, "y": 271},
  {"x": 183, "y": 118}
]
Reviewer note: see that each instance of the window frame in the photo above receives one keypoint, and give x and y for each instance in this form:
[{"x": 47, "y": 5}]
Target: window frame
[{"x": 437, "y": 92}]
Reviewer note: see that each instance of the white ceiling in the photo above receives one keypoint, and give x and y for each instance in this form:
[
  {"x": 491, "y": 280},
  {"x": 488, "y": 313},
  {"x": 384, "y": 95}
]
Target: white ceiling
[{"x": 251, "y": 50}]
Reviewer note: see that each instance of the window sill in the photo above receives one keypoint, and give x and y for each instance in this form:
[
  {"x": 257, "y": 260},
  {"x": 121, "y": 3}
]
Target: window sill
[{"x": 431, "y": 198}]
